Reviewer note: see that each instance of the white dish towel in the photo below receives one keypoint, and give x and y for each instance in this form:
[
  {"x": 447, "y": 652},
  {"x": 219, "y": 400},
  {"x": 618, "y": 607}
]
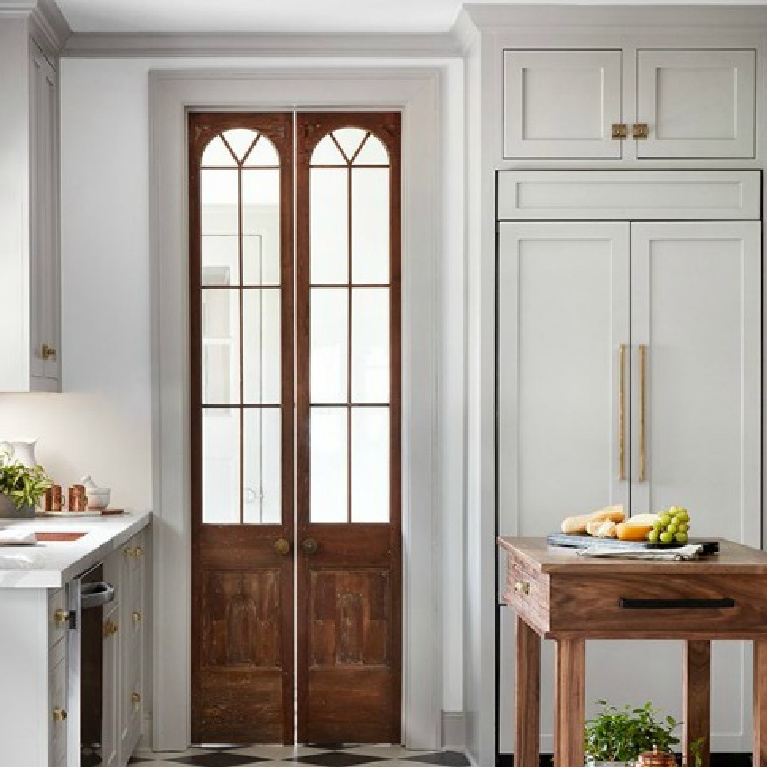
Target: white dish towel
[
  {"x": 10, "y": 536},
  {"x": 691, "y": 551}
]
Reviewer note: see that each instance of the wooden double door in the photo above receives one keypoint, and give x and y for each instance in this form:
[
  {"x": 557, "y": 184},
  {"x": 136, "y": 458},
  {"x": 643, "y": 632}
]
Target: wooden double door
[{"x": 295, "y": 425}]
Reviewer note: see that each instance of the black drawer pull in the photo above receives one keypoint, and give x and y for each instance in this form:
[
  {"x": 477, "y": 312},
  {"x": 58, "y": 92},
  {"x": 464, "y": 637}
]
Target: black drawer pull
[{"x": 626, "y": 603}]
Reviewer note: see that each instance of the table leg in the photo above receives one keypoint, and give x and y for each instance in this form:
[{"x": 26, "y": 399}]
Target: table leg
[
  {"x": 527, "y": 696},
  {"x": 570, "y": 702},
  {"x": 696, "y": 697},
  {"x": 760, "y": 703}
]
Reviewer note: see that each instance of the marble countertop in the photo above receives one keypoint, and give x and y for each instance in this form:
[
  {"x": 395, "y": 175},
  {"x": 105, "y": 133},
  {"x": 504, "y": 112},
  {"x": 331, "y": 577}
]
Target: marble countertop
[{"x": 50, "y": 564}]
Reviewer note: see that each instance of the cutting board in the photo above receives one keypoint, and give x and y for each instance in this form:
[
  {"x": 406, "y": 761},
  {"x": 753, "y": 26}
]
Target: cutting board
[{"x": 710, "y": 545}]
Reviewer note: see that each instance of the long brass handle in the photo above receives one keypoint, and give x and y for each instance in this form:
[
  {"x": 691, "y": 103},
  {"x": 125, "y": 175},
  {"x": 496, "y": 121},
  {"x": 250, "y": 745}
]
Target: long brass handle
[
  {"x": 642, "y": 425},
  {"x": 282, "y": 547},
  {"x": 310, "y": 546},
  {"x": 622, "y": 413}
]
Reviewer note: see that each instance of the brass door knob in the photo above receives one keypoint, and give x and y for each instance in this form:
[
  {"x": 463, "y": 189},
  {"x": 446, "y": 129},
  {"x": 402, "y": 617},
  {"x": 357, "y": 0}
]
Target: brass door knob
[
  {"x": 310, "y": 546},
  {"x": 48, "y": 352},
  {"x": 136, "y": 616},
  {"x": 282, "y": 547},
  {"x": 61, "y": 616},
  {"x": 59, "y": 714}
]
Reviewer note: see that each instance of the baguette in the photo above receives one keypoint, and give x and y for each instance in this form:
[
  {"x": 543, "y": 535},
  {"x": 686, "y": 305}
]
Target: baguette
[{"x": 579, "y": 524}]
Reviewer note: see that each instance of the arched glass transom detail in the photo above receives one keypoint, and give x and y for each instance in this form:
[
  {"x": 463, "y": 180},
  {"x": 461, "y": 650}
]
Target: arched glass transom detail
[
  {"x": 240, "y": 259},
  {"x": 350, "y": 267}
]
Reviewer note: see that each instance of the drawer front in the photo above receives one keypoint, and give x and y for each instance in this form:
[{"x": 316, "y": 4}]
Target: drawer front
[
  {"x": 58, "y": 616},
  {"x": 527, "y": 592},
  {"x": 722, "y": 604}
]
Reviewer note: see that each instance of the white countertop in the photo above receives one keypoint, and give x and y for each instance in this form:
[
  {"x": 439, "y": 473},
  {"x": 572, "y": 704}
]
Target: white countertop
[{"x": 51, "y": 564}]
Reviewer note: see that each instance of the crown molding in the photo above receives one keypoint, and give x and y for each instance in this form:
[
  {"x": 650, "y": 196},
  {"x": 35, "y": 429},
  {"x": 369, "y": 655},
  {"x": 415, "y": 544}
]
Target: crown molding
[
  {"x": 52, "y": 29},
  {"x": 563, "y": 18},
  {"x": 105, "y": 45},
  {"x": 465, "y": 31}
]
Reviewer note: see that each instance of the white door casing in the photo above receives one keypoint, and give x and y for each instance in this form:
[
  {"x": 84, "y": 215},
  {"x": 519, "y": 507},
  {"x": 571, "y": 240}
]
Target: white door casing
[{"x": 417, "y": 92}]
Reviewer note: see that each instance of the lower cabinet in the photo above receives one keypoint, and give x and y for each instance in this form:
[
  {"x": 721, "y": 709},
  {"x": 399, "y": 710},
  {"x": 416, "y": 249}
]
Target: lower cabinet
[{"x": 123, "y": 652}]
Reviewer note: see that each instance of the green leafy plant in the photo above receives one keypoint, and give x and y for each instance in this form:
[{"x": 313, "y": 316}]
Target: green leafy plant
[
  {"x": 620, "y": 735},
  {"x": 696, "y": 751},
  {"x": 24, "y": 485}
]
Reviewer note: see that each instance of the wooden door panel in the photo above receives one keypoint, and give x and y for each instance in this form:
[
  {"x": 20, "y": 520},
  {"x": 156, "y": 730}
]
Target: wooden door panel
[
  {"x": 349, "y": 585},
  {"x": 242, "y": 586}
]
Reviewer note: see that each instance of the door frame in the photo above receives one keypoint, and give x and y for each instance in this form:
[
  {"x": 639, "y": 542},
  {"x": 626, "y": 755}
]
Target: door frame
[{"x": 417, "y": 92}]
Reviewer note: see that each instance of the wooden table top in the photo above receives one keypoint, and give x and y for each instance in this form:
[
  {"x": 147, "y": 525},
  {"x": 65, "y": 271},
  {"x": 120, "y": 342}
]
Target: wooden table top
[{"x": 732, "y": 559}]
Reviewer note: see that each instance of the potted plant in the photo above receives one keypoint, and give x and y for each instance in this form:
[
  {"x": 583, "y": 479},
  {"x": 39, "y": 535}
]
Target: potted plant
[
  {"x": 617, "y": 736},
  {"x": 20, "y": 487}
]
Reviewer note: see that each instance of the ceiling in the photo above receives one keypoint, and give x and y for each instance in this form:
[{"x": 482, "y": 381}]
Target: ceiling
[{"x": 286, "y": 17}]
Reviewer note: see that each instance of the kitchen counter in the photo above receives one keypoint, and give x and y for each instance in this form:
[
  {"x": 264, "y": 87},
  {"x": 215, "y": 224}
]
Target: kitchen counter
[{"x": 50, "y": 564}]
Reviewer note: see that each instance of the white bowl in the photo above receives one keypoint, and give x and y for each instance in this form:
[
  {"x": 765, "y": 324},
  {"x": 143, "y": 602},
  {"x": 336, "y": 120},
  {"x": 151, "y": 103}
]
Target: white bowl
[{"x": 98, "y": 497}]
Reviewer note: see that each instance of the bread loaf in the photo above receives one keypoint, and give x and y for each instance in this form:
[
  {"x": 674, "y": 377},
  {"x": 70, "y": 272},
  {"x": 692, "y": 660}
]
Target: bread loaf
[{"x": 580, "y": 524}]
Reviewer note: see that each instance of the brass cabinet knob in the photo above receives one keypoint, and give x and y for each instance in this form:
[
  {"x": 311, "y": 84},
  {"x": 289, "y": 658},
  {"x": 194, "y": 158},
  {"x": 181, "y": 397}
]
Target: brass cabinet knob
[
  {"x": 135, "y": 698},
  {"x": 59, "y": 714},
  {"x": 129, "y": 551},
  {"x": 522, "y": 587},
  {"x": 110, "y": 628},
  {"x": 282, "y": 547},
  {"x": 48, "y": 352},
  {"x": 310, "y": 546},
  {"x": 61, "y": 616},
  {"x": 136, "y": 616},
  {"x": 139, "y": 551}
]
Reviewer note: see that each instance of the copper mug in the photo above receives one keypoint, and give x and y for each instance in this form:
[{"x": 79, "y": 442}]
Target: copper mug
[
  {"x": 53, "y": 499},
  {"x": 77, "y": 498}
]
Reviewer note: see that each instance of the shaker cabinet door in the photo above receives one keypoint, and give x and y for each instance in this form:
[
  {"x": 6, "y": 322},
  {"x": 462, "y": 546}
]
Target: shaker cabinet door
[
  {"x": 696, "y": 103},
  {"x": 563, "y": 330},
  {"x": 561, "y": 104}
]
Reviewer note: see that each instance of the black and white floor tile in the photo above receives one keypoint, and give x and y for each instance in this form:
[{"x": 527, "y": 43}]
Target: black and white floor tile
[{"x": 337, "y": 755}]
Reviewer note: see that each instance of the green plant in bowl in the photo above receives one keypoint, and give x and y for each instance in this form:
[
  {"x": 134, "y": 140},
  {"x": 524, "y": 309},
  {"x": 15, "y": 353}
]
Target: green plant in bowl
[{"x": 23, "y": 485}]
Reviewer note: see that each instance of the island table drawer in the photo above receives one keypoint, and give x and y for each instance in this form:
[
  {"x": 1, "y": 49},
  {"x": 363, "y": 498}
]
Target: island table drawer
[{"x": 611, "y": 602}]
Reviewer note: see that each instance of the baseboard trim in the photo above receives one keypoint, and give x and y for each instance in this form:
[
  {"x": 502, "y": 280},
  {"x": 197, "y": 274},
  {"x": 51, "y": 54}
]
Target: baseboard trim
[
  {"x": 453, "y": 729},
  {"x": 717, "y": 760}
]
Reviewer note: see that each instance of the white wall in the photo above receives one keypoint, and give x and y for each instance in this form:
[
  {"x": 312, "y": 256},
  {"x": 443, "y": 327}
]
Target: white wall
[{"x": 102, "y": 424}]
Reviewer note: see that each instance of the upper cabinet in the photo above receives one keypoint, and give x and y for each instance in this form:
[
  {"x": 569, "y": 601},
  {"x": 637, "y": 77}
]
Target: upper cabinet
[
  {"x": 561, "y": 104},
  {"x": 29, "y": 211},
  {"x": 629, "y": 104}
]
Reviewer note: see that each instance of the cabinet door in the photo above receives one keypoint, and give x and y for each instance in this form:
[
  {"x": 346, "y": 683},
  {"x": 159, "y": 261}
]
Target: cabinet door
[
  {"x": 561, "y": 104},
  {"x": 44, "y": 240},
  {"x": 696, "y": 103},
  {"x": 111, "y": 690},
  {"x": 563, "y": 314}
]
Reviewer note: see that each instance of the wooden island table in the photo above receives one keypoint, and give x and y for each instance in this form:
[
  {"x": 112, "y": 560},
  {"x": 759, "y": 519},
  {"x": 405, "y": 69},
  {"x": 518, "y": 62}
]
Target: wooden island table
[{"x": 559, "y": 595}]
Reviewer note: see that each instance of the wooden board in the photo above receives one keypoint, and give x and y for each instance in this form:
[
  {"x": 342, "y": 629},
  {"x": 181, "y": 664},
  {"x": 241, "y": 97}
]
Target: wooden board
[{"x": 570, "y": 540}]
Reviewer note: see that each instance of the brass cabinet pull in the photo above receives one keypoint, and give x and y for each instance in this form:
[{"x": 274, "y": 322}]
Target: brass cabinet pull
[
  {"x": 59, "y": 714},
  {"x": 310, "y": 546},
  {"x": 521, "y": 587},
  {"x": 48, "y": 352},
  {"x": 640, "y": 131},
  {"x": 136, "y": 616},
  {"x": 620, "y": 131},
  {"x": 622, "y": 412},
  {"x": 642, "y": 418},
  {"x": 135, "y": 698},
  {"x": 282, "y": 547},
  {"x": 61, "y": 616}
]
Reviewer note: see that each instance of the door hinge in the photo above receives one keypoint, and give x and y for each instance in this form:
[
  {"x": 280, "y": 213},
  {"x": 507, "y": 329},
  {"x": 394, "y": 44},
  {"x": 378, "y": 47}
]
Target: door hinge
[{"x": 72, "y": 620}]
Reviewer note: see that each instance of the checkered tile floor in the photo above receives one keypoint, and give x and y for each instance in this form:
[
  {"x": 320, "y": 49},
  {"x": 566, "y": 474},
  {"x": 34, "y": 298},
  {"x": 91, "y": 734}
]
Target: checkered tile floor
[{"x": 326, "y": 756}]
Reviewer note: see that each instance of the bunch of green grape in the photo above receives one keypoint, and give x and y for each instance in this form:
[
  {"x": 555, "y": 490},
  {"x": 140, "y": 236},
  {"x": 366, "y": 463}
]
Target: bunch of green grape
[{"x": 671, "y": 526}]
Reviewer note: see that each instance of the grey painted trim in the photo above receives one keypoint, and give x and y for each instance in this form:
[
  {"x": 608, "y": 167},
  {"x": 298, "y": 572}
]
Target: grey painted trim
[
  {"x": 596, "y": 18},
  {"x": 453, "y": 729},
  {"x": 105, "y": 45},
  {"x": 48, "y": 22},
  {"x": 418, "y": 92}
]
